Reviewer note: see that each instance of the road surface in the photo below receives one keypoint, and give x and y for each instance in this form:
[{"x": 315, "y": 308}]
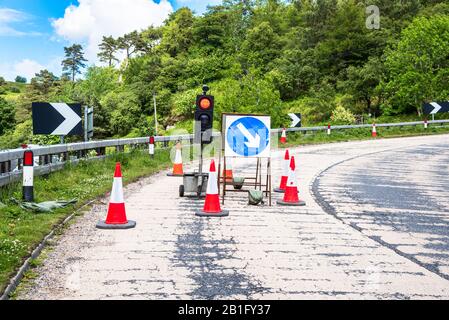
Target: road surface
[{"x": 375, "y": 227}]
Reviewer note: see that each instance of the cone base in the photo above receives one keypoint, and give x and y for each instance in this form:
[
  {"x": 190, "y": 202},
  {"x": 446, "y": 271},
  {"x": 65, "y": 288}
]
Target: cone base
[
  {"x": 102, "y": 225},
  {"x": 174, "y": 175},
  {"x": 279, "y": 190},
  {"x": 223, "y": 213},
  {"x": 291, "y": 204}
]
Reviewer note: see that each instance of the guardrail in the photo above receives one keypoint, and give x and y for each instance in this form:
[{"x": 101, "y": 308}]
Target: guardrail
[{"x": 53, "y": 158}]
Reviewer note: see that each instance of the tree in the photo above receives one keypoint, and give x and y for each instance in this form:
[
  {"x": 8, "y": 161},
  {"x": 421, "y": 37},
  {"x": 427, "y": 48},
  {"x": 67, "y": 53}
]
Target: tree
[
  {"x": 108, "y": 49},
  {"x": 363, "y": 81},
  {"x": 418, "y": 67},
  {"x": 20, "y": 79},
  {"x": 177, "y": 33},
  {"x": 74, "y": 61},
  {"x": 2, "y": 81},
  {"x": 261, "y": 46},
  {"x": 7, "y": 116},
  {"x": 43, "y": 82},
  {"x": 131, "y": 43}
]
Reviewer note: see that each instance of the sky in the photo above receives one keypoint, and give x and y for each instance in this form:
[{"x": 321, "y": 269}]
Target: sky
[{"x": 33, "y": 33}]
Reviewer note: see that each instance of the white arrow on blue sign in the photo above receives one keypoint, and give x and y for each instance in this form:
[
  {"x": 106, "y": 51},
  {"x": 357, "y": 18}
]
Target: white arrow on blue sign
[{"x": 247, "y": 136}]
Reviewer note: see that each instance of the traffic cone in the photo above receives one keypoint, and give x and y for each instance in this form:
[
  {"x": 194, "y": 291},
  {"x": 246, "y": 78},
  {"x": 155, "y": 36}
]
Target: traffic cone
[
  {"x": 227, "y": 172},
  {"x": 177, "y": 166},
  {"x": 284, "y": 136},
  {"x": 291, "y": 197},
  {"x": 212, "y": 204},
  {"x": 116, "y": 218},
  {"x": 374, "y": 132},
  {"x": 284, "y": 178}
]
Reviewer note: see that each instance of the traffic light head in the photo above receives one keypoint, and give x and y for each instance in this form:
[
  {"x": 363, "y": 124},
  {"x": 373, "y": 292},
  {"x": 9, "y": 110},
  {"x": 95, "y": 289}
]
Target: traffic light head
[{"x": 204, "y": 118}]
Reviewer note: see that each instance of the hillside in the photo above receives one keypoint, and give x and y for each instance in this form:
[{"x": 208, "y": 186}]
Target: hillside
[{"x": 325, "y": 59}]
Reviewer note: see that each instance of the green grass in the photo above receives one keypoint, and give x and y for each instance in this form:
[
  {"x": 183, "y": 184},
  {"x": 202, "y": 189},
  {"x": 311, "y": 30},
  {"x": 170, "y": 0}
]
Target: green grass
[
  {"x": 22, "y": 231},
  {"x": 299, "y": 138},
  {"x": 8, "y": 89}
]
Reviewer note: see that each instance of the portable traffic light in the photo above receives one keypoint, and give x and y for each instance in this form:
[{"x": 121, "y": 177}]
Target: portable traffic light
[{"x": 204, "y": 117}]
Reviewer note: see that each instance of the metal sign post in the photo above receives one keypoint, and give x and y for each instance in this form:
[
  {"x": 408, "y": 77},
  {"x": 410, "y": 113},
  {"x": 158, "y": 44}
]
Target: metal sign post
[{"x": 88, "y": 123}]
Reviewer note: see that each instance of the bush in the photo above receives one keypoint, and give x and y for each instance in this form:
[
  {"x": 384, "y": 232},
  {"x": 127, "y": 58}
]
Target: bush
[{"x": 342, "y": 116}]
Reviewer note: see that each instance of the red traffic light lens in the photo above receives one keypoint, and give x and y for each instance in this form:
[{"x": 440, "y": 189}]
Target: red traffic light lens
[{"x": 205, "y": 103}]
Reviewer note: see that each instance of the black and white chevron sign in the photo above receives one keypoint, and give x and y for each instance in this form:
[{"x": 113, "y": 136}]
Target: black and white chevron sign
[
  {"x": 59, "y": 119},
  {"x": 436, "y": 107},
  {"x": 296, "y": 120}
]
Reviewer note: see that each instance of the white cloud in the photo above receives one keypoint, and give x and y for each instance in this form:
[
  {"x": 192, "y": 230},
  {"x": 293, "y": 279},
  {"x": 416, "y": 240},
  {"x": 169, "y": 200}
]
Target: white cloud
[
  {"x": 90, "y": 20},
  {"x": 10, "y": 16},
  {"x": 28, "y": 68}
]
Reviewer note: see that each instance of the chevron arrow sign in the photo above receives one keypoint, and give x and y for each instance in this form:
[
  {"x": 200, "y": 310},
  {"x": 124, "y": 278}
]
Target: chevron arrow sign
[
  {"x": 59, "y": 119},
  {"x": 436, "y": 107},
  {"x": 296, "y": 120}
]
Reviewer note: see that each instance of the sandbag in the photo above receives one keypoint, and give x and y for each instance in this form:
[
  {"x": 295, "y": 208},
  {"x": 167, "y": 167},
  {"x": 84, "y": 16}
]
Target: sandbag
[
  {"x": 255, "y": 197},
  {"x": 45, "y": 207}
]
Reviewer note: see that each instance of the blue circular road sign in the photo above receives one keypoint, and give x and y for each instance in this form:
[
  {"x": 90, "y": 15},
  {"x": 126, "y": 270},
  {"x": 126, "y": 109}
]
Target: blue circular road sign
[{"x": 248, "y": 137}]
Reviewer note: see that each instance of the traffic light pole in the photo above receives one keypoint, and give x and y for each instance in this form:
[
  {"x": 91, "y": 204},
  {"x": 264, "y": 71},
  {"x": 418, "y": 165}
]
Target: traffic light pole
[{"x": 200, "y": 172}]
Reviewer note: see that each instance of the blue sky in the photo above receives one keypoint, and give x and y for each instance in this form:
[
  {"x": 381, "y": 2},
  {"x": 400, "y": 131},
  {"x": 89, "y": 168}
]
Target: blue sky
[{"x": 33, "y": 33}]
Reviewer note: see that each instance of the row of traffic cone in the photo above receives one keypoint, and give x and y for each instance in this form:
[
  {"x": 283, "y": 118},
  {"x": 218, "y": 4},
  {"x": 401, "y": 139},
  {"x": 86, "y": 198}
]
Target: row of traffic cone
[{"x": 289, "y": 184}]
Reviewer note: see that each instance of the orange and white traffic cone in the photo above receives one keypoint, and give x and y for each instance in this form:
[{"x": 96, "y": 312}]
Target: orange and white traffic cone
[
  {"x": 227, "y": 172},
  {"x": 374, "y": 132},
  {"x": 291, "y": 197},
  {"x": 178, "y": 170},
  {"x": 212, "y": 204},
  {"x": 116, "y": 218},
  {"x": 284, "y": 136},
  {"x": 284, "y": 178}
]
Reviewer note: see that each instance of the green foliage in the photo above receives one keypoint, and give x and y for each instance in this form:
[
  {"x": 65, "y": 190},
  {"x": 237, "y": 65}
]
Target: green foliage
[
  {"x": 20, "y": 79},
  {"x": 123, "y": 111},
  {"x": 418, "y": 67},
  {"x": 342, "y": 116},
  {"x": 7, "y": 116}
]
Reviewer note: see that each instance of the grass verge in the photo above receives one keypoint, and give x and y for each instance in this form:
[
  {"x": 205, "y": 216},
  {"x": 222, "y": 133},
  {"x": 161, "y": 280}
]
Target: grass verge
[{"x": 21, "y": 231}]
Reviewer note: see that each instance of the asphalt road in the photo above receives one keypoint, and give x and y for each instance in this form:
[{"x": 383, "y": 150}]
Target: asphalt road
[
  {"x": 399, "y": 198},
  {"x": 375, "y": 227}
]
